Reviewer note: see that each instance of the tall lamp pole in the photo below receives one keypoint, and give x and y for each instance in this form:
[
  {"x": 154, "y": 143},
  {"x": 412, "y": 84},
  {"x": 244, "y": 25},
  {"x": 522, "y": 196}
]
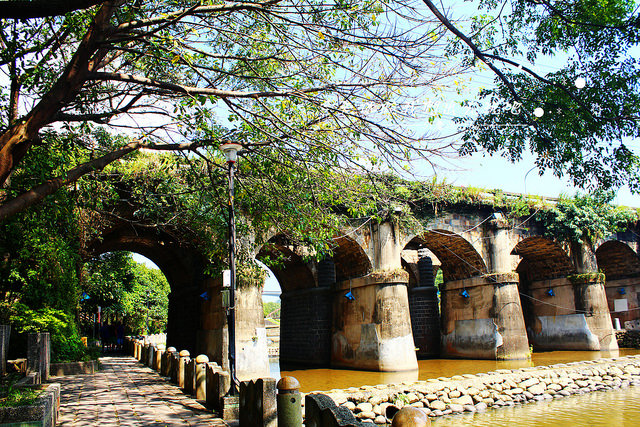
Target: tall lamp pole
[{"x": 230, "y": 151}]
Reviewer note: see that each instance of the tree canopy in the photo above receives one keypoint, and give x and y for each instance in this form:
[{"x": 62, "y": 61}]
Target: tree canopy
[
  {"x": 314, "y": 83},
  {"x": 332, "y": 85},
  {"x": 581, "y": 118}
]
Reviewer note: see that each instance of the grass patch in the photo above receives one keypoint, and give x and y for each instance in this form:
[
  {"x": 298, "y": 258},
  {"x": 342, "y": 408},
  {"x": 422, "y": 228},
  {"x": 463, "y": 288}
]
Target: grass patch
[{"x": 18, "y": 396}]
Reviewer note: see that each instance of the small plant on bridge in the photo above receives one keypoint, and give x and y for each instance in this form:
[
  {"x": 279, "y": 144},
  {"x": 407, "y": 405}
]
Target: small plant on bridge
[{"x": 585, "y": 218}]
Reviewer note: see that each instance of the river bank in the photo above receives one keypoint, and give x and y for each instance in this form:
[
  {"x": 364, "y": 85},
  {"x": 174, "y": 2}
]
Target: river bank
[{"x": 501, "y": 388}]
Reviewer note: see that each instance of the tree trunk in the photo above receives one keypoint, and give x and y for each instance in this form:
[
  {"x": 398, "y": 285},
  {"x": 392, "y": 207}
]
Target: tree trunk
[{"x": 16, "y": 141}]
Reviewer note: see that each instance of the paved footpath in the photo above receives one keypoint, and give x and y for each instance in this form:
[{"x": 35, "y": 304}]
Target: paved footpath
[{"x": 126, "y": 393}]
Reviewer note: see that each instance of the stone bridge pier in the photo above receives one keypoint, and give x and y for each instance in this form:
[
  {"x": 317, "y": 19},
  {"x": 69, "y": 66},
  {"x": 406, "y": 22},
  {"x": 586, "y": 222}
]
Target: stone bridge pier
[
  {"x": 566, "y": 303},
  {"x": 482, "y": 315}
]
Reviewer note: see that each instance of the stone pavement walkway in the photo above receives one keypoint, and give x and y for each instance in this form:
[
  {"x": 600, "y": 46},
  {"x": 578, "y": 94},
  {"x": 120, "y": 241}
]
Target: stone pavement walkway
[{"x": 126, "y": 393}]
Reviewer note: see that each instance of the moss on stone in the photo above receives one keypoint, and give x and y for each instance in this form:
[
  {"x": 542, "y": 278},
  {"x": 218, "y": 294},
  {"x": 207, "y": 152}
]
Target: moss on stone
[{"x": 582, "y": 278}]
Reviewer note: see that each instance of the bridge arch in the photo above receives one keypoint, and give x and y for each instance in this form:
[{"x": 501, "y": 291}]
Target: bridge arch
[
  {"x": 286, "y": 263},
  {"x": 542, "y": 259},
  {"x": 617, "y": 260},
  {"x": 182, "y": 265},
  {"x": 458, "y": 257},
  {"x": 621, "y": 266}
]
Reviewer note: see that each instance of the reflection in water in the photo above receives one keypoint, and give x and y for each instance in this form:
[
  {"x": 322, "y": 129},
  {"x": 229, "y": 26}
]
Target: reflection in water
[
  {"x": 620, "y": 408},
  {"x": 327, "y": 379}
]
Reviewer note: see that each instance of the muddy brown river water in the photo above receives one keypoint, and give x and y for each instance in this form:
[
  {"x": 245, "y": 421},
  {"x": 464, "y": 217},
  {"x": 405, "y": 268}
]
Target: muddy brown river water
[{"x": 613, "y": 408}]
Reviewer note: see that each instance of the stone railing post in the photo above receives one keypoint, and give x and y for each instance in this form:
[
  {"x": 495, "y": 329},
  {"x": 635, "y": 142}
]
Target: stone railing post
[
  {"x": 184, "y": 358},
  {"x": 289, "y": 402},
  {"x": 137, "y": 350},
  {"x": 258, "y": 403},
  {"x": 151, "y": 355},
  {"x": 218, "y": 384},
  {"x": 165, "y": 364},
  {"x": 173, "y": 366},
  {"x": 200, "y": 384},
  {"x": 5, "y": 333},
  {"x": 145, "y": 353},
  {"x": 189, "y": 376},
  {"x": 39, "y": 354}
]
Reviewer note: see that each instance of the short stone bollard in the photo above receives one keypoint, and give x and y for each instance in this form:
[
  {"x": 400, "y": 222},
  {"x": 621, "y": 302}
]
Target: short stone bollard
[
  {"x": 201, "y": 377},
  {"x": 410, "y": 417},
  {"x": 157, "y": 362},
  {"x": 137, "y": 350},
  {"x": 184, "y": 358},
  {"x": 257, "y": 407},
  {"x": 289, "y": 402},
  {"x": 189, "y": 376}
]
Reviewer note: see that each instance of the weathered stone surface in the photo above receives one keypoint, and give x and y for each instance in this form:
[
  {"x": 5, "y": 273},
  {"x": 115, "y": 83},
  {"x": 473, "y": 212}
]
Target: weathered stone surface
[
  {"x": 456, "y": 408},
  {"x": 380, "y": 419},
  {"x": 536, "y": 389},
  {"x": 528, "y": 383},
  {"x": 364, "y": 407},
  {"x": 366, "y": 414},
  {"x": 455, "y": 393},
  {"x": 437, "y": 405},
  {"x": 481, "y": 406}
]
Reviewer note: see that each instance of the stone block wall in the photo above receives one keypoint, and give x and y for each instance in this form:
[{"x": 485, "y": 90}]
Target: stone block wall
[
  {"x": 425, "y": 321},
  {"x": 305, "y": 332}
]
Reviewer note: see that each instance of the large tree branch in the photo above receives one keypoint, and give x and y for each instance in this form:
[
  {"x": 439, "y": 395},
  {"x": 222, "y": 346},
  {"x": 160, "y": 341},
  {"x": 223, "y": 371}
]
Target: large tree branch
[
  {"x": 100, "y": 118},
  {"x": 192, "y": 90},
  {"x": 39, "y": 192},
  {"x": 42, "y": 8},
  {"x": 15, "y": 141}
]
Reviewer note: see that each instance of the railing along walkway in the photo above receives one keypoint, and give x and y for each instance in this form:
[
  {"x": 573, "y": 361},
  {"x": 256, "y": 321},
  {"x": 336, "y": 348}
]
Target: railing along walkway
[{"x": 125, "y": 393}]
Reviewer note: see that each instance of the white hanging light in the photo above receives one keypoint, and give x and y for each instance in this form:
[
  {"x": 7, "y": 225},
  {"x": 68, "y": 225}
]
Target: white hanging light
[
  {"x": 580, "y": 82},
  {"x": 230, "y": 150},
  {"x": 538, "y": 112}
]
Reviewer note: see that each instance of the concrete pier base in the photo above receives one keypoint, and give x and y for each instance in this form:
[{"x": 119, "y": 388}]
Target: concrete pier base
[
  {"x": 482, "y": 318},
  {"x": 373, "y": 328}
]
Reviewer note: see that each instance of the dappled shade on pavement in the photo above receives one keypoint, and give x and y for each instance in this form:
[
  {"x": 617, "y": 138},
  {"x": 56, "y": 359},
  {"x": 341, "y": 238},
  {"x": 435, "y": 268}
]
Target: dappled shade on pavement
[{"x": 125, "y": 393}]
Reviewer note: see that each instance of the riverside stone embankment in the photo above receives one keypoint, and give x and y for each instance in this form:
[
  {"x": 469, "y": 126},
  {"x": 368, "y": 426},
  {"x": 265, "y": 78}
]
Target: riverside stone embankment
[{"x": 471, "y": 393}]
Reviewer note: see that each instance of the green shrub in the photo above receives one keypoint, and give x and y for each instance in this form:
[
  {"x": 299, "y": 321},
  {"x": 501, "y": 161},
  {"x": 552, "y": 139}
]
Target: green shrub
[{"x": 66, "y": 344}]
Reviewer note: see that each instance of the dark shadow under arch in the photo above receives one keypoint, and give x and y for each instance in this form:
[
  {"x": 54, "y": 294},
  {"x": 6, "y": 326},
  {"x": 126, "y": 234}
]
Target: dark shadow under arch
[
  {"x": 617, "y": 260},
  {"x": 182, "y": 265}
]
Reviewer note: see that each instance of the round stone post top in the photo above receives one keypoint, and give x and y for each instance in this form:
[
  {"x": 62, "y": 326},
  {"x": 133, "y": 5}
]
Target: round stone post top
[
  {"x": 172, "y": 349},
  {"x": 288, "y": 385},
  {"x": 410, "y": 417},
  {"x": 202, "y": 358},
  {"x": 184, "y": 353}
]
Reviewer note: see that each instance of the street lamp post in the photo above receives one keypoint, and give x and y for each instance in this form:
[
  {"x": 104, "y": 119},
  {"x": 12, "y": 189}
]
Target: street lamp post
[{"x": 230, "y": 151}]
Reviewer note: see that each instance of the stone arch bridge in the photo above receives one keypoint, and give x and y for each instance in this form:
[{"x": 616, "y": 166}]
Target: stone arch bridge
[{"x": 373, "y": 304}]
